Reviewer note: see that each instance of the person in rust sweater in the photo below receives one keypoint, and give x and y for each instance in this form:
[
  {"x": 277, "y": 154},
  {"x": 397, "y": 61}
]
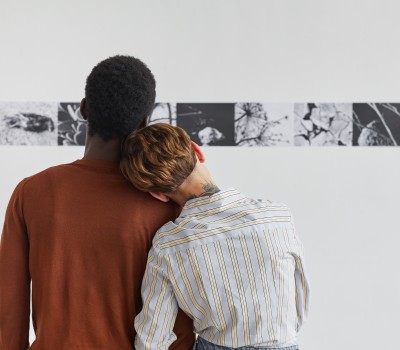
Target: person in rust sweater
[{"x": 80, "y": 233}]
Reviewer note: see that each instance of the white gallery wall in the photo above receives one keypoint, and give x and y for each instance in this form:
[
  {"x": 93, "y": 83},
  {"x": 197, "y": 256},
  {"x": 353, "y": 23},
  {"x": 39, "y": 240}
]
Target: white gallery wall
[{"x": 345, "y": 200}]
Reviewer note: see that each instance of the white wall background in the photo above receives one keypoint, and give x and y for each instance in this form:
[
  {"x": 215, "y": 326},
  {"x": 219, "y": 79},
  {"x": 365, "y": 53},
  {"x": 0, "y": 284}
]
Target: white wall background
[{"x": 345, "y": 201}]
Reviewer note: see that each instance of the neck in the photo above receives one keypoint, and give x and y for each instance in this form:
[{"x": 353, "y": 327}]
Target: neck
[
  {"x": 199, "y": 186},
  {"x": 97, "y": 148}
]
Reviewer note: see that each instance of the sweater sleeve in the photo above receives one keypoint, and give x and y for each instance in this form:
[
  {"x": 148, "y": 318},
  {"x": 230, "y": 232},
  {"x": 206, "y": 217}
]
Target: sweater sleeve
[{"x": 14, "y": 277}]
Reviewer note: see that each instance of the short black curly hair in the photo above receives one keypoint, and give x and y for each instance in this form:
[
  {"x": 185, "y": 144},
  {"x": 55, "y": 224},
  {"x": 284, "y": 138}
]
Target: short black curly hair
[{"x": 120, "y": 92}]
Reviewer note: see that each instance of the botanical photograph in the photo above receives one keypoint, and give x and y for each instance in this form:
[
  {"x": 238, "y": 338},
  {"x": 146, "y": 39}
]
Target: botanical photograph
[
  {"x": 376, "y": 124},
  {"x": 258, "y": 124},
  {"x": 323, "y": 124},
  {"x": 71, "y": 125}
]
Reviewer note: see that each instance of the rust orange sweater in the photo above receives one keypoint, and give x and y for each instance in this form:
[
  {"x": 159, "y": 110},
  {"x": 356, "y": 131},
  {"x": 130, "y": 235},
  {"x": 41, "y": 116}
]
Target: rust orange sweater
[{"x": 79, "y": 234}]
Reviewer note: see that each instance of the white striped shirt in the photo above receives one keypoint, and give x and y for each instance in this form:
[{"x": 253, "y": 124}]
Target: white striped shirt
[{"x": 234, "y": 265}]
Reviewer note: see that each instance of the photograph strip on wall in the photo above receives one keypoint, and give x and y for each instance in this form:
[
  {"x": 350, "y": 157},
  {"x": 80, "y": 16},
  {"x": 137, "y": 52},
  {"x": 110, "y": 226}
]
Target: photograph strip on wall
[{"x": 244, "y": 124}]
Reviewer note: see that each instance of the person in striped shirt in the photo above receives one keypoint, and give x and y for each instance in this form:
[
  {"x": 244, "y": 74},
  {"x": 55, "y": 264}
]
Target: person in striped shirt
[{"x": 235, "y": 265}]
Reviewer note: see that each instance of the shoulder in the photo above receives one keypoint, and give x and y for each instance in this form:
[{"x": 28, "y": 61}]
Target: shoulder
[
  {"x": 271, "y": 205},
  {"x": 277, "y": 205},
  {"x": 163, "y": 232},
  {"x": 40, "y": 179},
  {"x": 29, "y": 185},
  {"x": 47, "y": 173},
  {"x": 279, "y": 212},
  {"x": 166, "y": 227},
  {"x": 172, "y": 234}
]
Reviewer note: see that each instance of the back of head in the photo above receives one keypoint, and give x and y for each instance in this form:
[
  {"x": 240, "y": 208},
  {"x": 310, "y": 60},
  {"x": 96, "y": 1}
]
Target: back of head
[
  {"x": 120, "y": 93},
  {"x": 158, "y": 158}
]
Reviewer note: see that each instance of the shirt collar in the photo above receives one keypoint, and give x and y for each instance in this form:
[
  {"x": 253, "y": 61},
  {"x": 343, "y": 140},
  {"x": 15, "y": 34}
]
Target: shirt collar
[{"x": 216, "y": 200}]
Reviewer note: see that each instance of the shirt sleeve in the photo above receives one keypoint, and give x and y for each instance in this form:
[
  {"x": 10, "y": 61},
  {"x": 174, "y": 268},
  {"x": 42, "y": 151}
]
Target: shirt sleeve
[
  {"x": 183, "y": 330},
  {"x": 154, "y": 325},
  {"x": 14, "y": 277},
  {"x": 301, "y": 280}
]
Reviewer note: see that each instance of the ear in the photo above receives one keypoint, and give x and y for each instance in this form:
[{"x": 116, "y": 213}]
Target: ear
[
  {"x": 199, "y": 152},
  {"x": 82, "y": 109},
  {"x": 160, "y": 196}
]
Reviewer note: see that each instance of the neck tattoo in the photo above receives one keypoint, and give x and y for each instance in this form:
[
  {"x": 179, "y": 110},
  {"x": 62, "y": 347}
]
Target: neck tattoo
[{"x": 209, "y": 189}]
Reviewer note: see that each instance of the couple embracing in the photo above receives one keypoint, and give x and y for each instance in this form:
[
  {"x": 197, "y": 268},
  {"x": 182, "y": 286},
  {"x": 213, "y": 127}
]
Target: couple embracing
[{"x": 135, "y": 246}]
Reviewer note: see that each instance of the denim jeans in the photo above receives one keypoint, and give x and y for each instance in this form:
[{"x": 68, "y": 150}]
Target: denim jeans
[{"x": 202, "y": 344}]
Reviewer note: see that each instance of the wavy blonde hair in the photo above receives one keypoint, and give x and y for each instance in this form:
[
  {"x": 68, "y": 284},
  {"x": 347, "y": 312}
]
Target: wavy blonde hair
[{"x": 157, "y": 158}]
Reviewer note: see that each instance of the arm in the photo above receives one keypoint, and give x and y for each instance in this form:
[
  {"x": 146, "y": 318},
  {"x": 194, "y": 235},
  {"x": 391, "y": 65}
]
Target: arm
[
  {"x": 301, "y": 281},
  {"x": 302, "y": 286},
  {"x": 183, "y": 330},
  {"x": 154, "y": 324},
  {"x": 14, "y": 277}
]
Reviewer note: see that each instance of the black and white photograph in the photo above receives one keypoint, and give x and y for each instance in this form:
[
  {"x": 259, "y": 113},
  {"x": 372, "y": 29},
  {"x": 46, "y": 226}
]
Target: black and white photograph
[
  {"x": 376, "y": 124},
  {"x": 258, "y": 124},
  {"x": 323, "y": 124},
  {"x": 163, "y": 113},
  {"x": 28, "y": 123},
  {"x": 71, "y": 125},
  {"x": 208, "y": 124}
]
